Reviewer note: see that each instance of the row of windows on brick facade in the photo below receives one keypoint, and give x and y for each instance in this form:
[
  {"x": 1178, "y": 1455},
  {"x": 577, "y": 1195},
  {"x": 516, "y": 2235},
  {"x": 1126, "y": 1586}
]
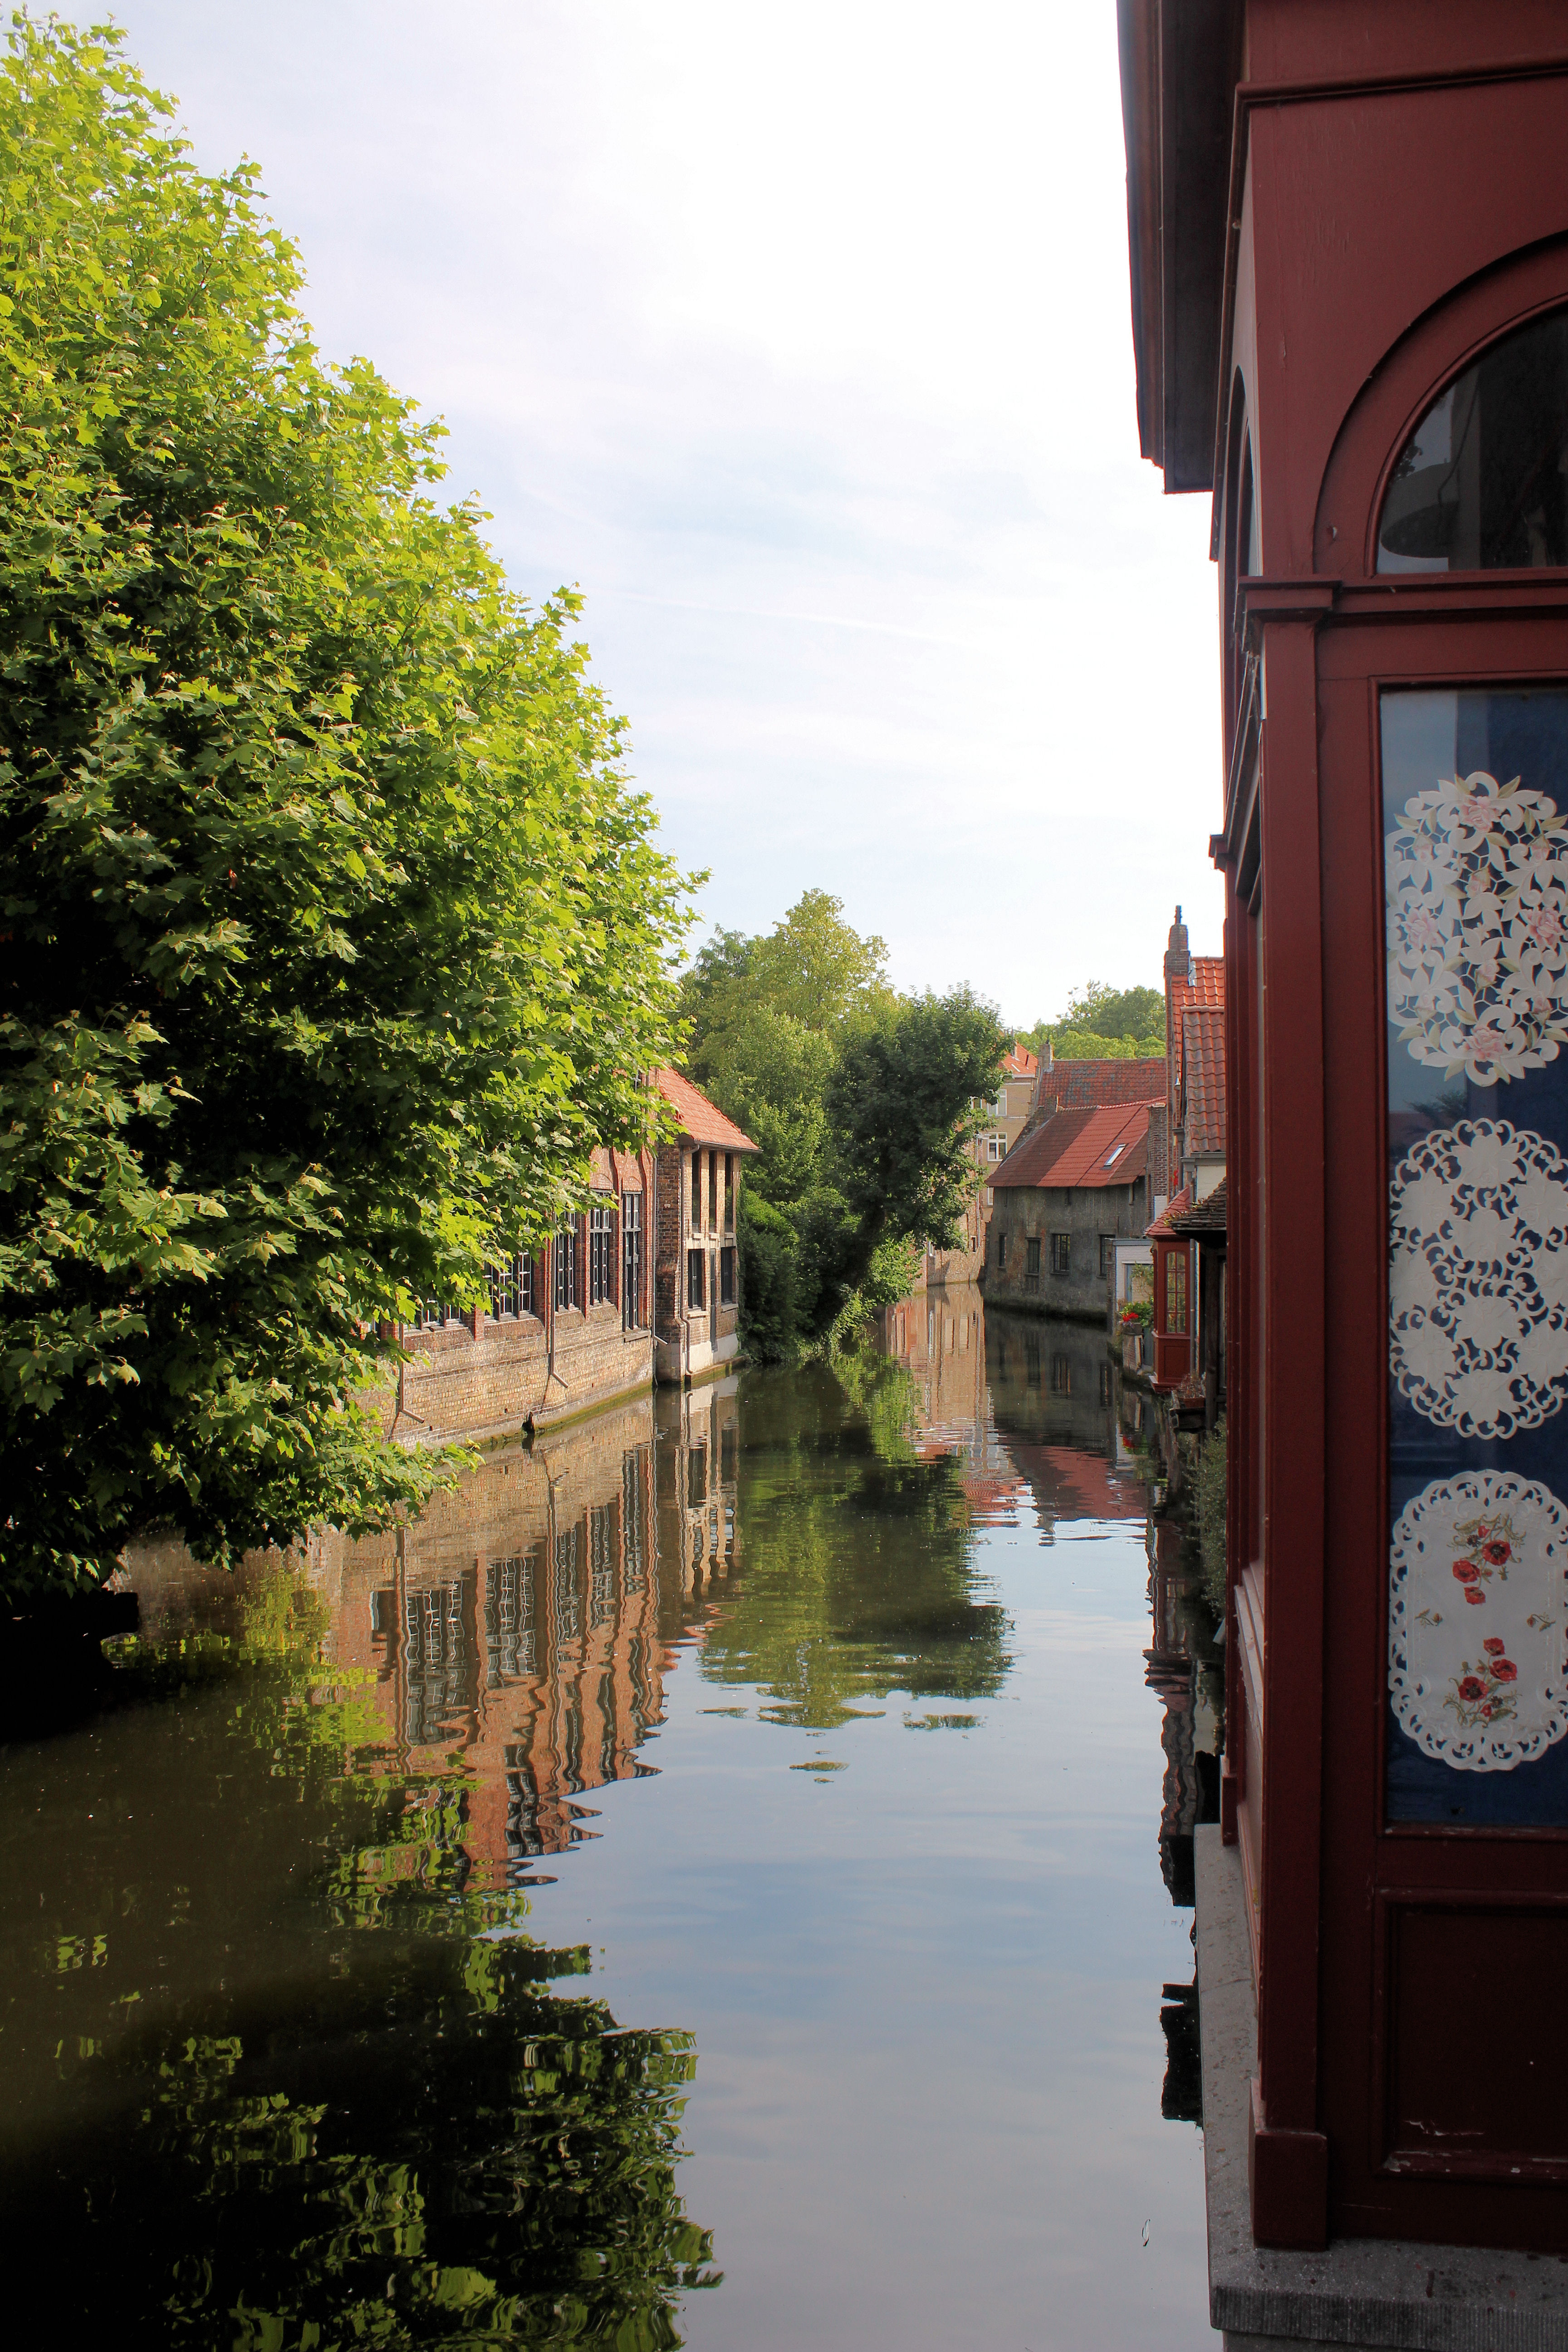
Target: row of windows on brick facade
[
  {"x": 696, "y": 1278},
  {"x": 711, "y": 1172},
  {"x": 1061, "y": 1254},
  {"x": 583, "y": 1261}
]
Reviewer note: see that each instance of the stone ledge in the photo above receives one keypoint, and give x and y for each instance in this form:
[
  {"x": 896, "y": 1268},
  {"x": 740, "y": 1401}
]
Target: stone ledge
[{"x": 1361, "y": 2295}]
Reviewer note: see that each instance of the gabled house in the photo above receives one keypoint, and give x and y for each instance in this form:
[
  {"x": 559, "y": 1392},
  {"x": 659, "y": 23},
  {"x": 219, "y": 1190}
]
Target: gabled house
[
  {"x": 1064, "y": 1195},
  {"x": 697, "y": 1312}
]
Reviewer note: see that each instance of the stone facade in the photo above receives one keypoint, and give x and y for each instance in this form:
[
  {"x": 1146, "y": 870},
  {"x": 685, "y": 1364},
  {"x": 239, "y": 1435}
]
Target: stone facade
[{"x": 1026, "y": 1222}]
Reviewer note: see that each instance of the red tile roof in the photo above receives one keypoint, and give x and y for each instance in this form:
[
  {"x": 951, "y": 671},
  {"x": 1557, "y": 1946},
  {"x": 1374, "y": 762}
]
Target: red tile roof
[
  {"x": 1091, "y": 1086},
  {"x": 1019, "y": 1062},
  {"x": 1161, "y": 1230},
  {"x": 1205, "y": 989},
  {"x": 1081, "y": 1149},
  {"x": 1206, "y": 1216},
  {"x": 698, "y": 1117},
  {"x": 1202, "y": 1064}
]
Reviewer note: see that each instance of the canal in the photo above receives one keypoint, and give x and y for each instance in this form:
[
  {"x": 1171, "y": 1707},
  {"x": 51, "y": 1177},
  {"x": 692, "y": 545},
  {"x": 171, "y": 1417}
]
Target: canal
[{"x": 724, "y": 1878}]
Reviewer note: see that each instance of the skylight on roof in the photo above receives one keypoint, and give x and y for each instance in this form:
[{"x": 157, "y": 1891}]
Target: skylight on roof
[{"x": 1112, "y": 1156}]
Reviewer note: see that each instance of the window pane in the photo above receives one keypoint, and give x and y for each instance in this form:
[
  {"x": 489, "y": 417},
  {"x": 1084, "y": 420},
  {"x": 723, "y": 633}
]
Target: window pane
[
  {"x": 1480, "y": 483},
  {"x": 1476, "y": 892}
]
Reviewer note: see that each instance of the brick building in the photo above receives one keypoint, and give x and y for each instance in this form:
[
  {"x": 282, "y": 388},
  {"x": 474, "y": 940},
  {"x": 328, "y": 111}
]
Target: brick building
[
  {"x": 595, "y": 1312},
  {"x": 697, "y": 1277},
  {"x": 1063, "y": 1197}
]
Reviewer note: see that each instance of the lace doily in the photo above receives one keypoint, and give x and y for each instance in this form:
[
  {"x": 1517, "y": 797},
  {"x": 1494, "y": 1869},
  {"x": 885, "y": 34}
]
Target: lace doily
[
  {"x": 1477, "y": 879},
  {"x": 1477, "y": 1278},
  {"x": 1477, "y": 1593}
]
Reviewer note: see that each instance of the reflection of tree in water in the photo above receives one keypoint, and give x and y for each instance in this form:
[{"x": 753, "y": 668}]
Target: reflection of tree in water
[
  {"x": 859, "y": 1577},
  {"x": 385, "y": 2128}
]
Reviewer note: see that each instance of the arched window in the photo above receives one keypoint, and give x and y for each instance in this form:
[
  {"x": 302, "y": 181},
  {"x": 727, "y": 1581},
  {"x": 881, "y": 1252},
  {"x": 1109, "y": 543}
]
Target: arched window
[{"x": 1483, "y": 483}]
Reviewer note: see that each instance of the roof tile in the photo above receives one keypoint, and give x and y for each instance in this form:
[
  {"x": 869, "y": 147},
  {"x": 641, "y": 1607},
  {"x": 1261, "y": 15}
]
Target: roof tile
[
  {"x": 699, "y": 1118},
  {"x": 1203, "y": 1061},
  {"x": 1080, "y": 1150}
]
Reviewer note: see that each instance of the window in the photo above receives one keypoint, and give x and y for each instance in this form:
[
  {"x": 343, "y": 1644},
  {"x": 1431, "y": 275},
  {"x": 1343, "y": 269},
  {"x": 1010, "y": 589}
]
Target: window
[
  {"x": 729, "y": 1192},
  {"x": 568, "y": 1274},
  {"x": 1001, "y": 1251},
  {"x": 1480, "y": 484},
  {"x": 1061, "y": 1376},
  {"x": 631, "y": 1255},
  {"x": 601, "y": 1254},
  {"x": 697, "y": 1192},
  {"x": 726, "y": 1277},
  {"x": 995, "y": 1147},
  {"x": 695, "y": 1278},
  {"x": 998, "y": 1110},
  {"x": 713, "y": 1192},
  {"x": 1062, "y": 1253},
  {"x": 434, "y": 1313},
  {"x": 1032, "y": 1263},
  {"x": 511, "y": 1288},
  {"x": 1108, "y": 1254},
  {"x": 1176, "y": 1291}
]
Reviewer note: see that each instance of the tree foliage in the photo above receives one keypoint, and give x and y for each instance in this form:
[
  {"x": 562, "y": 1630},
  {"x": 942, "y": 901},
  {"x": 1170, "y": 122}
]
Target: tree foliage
[
  {"x": 860, "y": 1101},
  {"x": 332, "y": 935},
  {"x": 1105, "y": 1024}
]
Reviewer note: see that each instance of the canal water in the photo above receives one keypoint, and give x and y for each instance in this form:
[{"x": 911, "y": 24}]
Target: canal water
[{"x": 724, "y": 1878}]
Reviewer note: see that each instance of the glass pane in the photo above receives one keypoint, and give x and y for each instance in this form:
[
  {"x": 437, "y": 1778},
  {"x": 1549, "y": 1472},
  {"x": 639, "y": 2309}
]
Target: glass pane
[
  {"x": 1480, "y": 483},
  {"x": 1476, "y": 872}
]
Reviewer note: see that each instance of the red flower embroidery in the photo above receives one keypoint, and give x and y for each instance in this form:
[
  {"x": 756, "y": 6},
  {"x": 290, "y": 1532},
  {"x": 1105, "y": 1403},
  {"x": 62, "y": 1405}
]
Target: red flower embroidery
[
  {"x": 1466, "y": 1570},
  {"x": 1487, "y": 1712},
  {"x": 1493, "y": 1647},
  {"x": 1472, "y": 1688},
  {"x": 1503, "y": 1670},
  {"x": 1496, "y": 1553},
  {"x": 1475, "y": 1596}
]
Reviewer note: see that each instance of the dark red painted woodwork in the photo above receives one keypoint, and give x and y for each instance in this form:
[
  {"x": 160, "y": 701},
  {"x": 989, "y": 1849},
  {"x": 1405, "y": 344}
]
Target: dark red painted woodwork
[{"x": 1399, "y": 201}]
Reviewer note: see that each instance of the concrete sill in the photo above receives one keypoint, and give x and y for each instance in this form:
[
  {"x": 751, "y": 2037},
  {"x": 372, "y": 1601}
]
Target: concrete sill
[{"x": 1364, "y": 2293}]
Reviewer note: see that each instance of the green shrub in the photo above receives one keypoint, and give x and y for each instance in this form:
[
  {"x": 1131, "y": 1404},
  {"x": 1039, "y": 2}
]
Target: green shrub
[{"x": 1208, "y": 1507}]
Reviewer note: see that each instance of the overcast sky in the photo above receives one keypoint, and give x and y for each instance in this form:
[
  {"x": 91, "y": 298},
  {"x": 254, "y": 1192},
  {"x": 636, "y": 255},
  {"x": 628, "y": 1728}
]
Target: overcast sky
[{"x": 799, "y": 340}]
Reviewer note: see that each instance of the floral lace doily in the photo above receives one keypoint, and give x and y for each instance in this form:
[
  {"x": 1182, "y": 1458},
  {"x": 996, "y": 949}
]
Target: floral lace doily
[
  {"x": 1477, "y": 1594},
  {"x": 1477, "y": 1278},
  {"x": 1477, "y": 877}
]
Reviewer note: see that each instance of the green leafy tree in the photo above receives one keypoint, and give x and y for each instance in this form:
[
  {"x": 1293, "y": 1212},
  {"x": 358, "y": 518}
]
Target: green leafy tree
[
  {"x": 1105, "y": 1024},
  {"x": 904, "y": 1103},
  {"x": 332, "y": 935}
]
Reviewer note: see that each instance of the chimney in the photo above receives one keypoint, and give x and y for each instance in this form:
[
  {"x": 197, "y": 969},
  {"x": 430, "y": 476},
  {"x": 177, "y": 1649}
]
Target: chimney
[{"x": 1178, "y": 956}]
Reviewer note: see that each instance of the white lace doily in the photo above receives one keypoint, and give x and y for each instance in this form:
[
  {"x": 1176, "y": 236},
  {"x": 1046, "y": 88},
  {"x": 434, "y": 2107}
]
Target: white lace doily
[
  {"x": 1477, "y": 1278},
  {"x": 1477, "y": 1594},
  {"x": 1477, "y": 879}
]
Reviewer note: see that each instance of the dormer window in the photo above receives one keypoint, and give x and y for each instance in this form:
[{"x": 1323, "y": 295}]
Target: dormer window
[{"x": 1483, "y": 483}]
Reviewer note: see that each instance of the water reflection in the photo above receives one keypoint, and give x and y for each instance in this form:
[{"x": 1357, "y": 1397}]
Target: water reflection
[{"x": 282, "y": 2033}]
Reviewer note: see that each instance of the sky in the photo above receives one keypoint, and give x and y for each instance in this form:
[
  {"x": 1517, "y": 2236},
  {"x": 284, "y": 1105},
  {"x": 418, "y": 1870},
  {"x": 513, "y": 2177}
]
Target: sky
[{"x": 799, "y": 342}]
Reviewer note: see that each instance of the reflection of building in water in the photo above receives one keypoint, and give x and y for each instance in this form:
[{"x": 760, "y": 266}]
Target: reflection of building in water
[
  {"x": 1189, "y": 1730},
  {"x": 526, "y": 1622},
  {"x": 940, "y": 1340},
  {"x": 1030, "y": 1405}
]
